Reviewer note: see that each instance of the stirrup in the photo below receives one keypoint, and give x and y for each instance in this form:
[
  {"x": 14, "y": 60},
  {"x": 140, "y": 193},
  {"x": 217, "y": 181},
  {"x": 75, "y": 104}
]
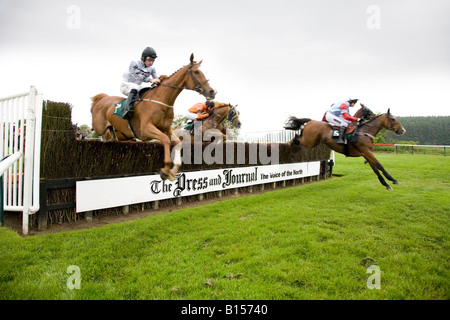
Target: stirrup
[{"x": 341, "y": 139}]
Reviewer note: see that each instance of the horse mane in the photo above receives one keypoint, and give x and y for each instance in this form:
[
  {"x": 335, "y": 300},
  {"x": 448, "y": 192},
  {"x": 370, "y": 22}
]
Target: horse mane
[
  {"x": 374, "y": 118},
  {"x": 168, "y": 77},
  {"x": 221, "y": 105}
]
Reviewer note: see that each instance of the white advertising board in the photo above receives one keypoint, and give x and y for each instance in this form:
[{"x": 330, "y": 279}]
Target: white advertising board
[{"x": 116, "y": 192}]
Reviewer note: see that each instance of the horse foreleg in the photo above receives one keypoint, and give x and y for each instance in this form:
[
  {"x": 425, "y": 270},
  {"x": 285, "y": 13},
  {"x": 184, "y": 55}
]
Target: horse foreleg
[
  {"x": 375, "y": 166},
  {"x": 176, "y": 157},
  {"x": 387, "y": 175},
  {"x": 110, "y": 134},
  {"x": 152, "y": 132}
]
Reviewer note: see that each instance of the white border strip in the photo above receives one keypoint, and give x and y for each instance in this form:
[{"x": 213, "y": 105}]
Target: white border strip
[{"x": 116, "y": 192}]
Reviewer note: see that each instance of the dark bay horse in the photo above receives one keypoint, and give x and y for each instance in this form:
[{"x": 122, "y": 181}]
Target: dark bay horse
[
  {"x": 316, "y": 132},
  {"x": 152, "y": 116},
  {"x": 213, "y": 125}
]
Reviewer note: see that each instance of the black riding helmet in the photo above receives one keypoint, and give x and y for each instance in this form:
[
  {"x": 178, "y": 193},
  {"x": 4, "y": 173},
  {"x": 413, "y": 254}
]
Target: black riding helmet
[
  {"x": 210, "y": 103},
  {"x": 148, "y": 54},
  {"x": 353, "y": 101}
]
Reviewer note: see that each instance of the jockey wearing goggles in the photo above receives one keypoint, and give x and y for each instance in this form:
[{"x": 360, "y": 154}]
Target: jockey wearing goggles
[{"x": 139, "y": 74}]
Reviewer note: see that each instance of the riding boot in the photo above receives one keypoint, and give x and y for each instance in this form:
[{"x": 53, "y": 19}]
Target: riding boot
[
  {"x": 341, "y": 138},
  {"x": 127, "y": 112}
]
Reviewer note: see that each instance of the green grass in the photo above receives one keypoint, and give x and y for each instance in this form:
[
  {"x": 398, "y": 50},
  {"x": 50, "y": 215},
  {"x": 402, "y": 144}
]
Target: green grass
[{"x": 311, "y": 241}]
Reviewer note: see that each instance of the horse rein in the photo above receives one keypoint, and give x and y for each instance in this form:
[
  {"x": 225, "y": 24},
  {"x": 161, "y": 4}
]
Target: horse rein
[
  {"x": 198, "y": 86},
  {"x": 151, "y": 100}
]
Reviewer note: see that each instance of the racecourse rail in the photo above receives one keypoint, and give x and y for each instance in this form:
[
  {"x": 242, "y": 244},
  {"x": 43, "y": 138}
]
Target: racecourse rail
[{"x": 399, "y": 145}]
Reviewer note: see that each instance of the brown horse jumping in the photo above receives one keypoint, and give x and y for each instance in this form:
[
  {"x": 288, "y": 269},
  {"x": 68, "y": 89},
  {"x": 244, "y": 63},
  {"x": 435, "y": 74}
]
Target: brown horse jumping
[
  {"x": 153, "y": 114},
  {"x": 315, "y": 132},
  {"x": 213, "y": 125}
]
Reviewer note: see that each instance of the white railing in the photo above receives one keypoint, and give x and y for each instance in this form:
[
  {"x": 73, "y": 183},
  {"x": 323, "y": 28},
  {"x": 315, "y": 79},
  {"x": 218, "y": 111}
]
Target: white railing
[
  {"x": 278, "y": 136},
  {"x": 421, "y": 146},
  {"x": 20, "y": 131}
]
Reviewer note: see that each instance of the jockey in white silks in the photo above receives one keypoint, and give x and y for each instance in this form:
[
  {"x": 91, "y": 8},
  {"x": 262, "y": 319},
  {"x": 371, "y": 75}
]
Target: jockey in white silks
[
  {"x": 339, "y": 115},
  {"x": 139, "y": 74}
]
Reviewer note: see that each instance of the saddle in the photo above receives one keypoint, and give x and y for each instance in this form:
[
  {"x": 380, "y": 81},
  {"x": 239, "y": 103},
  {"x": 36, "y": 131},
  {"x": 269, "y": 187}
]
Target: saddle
[
  {"x": 118, "y": 110},
  {"x": 351, "y": 133}
]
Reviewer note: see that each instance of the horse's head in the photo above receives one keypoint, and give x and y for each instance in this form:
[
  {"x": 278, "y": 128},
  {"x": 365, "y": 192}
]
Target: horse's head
[
  {"x": 197, "y": 80},
  {"x": 391, "y": 123},
  {"x": 228, "y": 111},
  {"x": 233, "y": 116}
]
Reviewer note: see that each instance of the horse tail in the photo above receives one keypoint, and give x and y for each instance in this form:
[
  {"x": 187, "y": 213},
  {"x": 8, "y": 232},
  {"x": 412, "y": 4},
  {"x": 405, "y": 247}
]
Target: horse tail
[
  {"x": 96, "y": 99},
  {"x": 294, "y": 123}
]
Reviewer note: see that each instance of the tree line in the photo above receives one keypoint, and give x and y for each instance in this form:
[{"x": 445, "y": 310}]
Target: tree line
[{"x": 433, "y": 130}]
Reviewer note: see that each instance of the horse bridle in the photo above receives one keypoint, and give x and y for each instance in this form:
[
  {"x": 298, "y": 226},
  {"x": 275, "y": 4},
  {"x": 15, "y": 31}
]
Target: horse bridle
[
  {"x": 369, "y": 124},
  {"x": 230, "y": 108},
  {"x": 198, "y": 86}
]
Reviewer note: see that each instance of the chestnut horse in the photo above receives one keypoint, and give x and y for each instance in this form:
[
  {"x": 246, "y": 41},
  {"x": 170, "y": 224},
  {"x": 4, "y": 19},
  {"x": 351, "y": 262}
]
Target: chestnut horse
[
  {"x": 212, "y": 126},
  {"x": 316, "y": 132},
  {"x": 152, "y": 117}
]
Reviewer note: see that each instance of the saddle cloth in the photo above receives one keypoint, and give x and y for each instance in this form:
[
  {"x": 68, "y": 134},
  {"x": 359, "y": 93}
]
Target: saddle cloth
[
  {"x": 350, "y": 134},
  {"x": 118, "y": 110}
]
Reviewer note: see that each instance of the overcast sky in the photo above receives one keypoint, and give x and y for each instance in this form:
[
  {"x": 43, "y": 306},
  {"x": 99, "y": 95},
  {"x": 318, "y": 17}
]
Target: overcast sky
[{"x": 272, "y": 58}]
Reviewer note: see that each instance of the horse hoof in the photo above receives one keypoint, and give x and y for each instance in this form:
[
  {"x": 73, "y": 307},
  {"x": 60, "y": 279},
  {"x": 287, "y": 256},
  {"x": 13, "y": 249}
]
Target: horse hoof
[
  {"x": 389, "y": 188},
  {"x": 396, "y": 182},
  {"x": 173, "y": 174},
  {"x": 163, "y": 175}
]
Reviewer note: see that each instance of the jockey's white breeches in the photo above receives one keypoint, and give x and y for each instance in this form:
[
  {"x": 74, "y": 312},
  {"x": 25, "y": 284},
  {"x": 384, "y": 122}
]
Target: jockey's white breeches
[
  {"x": 336, "y": 121},
  {"x": 125, "y": 87},
  {"x": 191, "y": 116}
]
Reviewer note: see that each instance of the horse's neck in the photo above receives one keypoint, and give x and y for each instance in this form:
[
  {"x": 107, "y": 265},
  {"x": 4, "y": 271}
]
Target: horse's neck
[
  {"x": 374, "y": 126},
  {"x": 218, "y": 117},
  {"x": 169, "y": 94}
]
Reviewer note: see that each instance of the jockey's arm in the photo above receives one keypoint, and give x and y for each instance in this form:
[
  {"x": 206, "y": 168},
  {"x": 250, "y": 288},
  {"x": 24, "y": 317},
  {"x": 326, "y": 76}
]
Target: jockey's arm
[
  {"x": 345, "y": 114},
  {"x": 348, "y": 117},
  {"x": 153, "y": 77},
  {"x": 202, "y": 115}
]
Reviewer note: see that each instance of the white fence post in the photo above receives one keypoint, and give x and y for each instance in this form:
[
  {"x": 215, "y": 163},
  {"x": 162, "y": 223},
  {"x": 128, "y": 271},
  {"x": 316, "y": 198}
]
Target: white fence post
[{"x": 20, "y": 131}]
